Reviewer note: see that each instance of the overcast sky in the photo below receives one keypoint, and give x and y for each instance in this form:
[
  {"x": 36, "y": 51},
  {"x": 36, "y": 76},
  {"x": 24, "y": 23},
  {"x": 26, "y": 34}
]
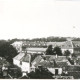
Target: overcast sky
[{"x": 39, "y": 18}]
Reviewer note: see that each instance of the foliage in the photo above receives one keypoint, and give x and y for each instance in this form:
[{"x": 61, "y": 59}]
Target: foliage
[
  {"x": 14, "y": 71},
  {"x": 49, "y": 50},
  {"x": 8, "y": 51},
  {"x": 48, "y": 39},
  {"x": 71, "y": 61},
  {"x": 57, "y": 50},
  {"x": 67, "y": 53}
]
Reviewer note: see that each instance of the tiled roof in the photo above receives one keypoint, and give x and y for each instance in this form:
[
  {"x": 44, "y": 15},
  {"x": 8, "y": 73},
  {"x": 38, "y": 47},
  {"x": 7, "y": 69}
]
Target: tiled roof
[
  {"x": 22, "y": 57},
  {"x": 36, "y": 61},
  {"x": 48, "y": 61},
  {"x": 45, "y": 61},
  {"x": 72, "y": 68},
  {"x": 76, "y": 44},
  {"x": 35, "y": 43},
  {"x": 19, "y": 56},
  {"x": 52, "y": 58},
  {"x": 67, "y": 45},
  {"x": 25, "y": 58},
  {"x": 36, "y": 49},
  {"x": 54, "y": 44},
  {"x": 62, "y": 45},
  {"x": 49, "y": 57},
  {"x": 47, "y": 64},
  {"x": 61, "y": 58},
  {"x": 75, "y": 74},
  {"x": 61, "y": 64}
]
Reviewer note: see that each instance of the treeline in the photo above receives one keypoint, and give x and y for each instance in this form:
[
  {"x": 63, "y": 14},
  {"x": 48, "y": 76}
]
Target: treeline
[
  {"x": 48, "y": 39},
  {"x": 7, "y": 51},
  {"x": 76, "y": 39}
]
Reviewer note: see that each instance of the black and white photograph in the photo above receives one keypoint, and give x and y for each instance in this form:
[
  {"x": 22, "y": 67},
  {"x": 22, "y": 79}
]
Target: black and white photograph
[{"x": 39, "y": 39}]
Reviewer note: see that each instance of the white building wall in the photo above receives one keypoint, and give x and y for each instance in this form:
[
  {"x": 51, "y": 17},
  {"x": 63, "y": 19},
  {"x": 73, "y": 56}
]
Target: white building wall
[
  {"x": 52, "y": 70},
  {"x": 60, "y": 71},
  {"x": 25, "y": 67},
  {"x": 63, "y": 50},
  {"x": 16, "y": 62}
]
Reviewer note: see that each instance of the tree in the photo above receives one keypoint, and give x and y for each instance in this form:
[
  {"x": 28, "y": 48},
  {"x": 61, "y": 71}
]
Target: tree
[
  {"x": 14, "y": 71},
  {"x": 67, "y": 53},
  {"x": 8, "y": 51},
  {"x": 49, "y": 50},
  {"x": 74, "y": 57},
  {"x": 57, "y": 50}
]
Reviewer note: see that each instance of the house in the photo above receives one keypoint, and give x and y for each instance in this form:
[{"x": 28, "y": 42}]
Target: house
[
  {"x": 39, "y": 47},
  {"x": 22, "y": 60},
  {"x": 16, "y": 59},
  {"x": 35, "y": 44},
  {"x": 42, "y": 46},
  {"x": 76, "y": 47},
  {"x": 67, "y": 45},
  {"x": 52, "y": 63}
]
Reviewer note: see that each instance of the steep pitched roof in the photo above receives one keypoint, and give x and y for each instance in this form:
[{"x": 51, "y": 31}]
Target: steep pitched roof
[
  {"x": 48, "y": 61},
  {"x": 62, "y": 45},
  {"x": 47, "y": 64},
  {"x": 22, "y": 57},
  {"x": 19, "y": 56},
  {"x": 36, "y": 61},
  {"x": 76, "y": 44},
  {"x": 75, "y": 74},
  {"x": 25, "y": 58},
  {"x": 61, "y": 58},
  {"x": 54, "y": 44},
  {"x": 49, "y": 57},
  {"x": 45, "y": 61},
  {"x": 34, "y": 43},
  {"x": 62, "y": 64},
  {"x": 73, "y": 68},
  {"x": 67, "y": 45}
]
